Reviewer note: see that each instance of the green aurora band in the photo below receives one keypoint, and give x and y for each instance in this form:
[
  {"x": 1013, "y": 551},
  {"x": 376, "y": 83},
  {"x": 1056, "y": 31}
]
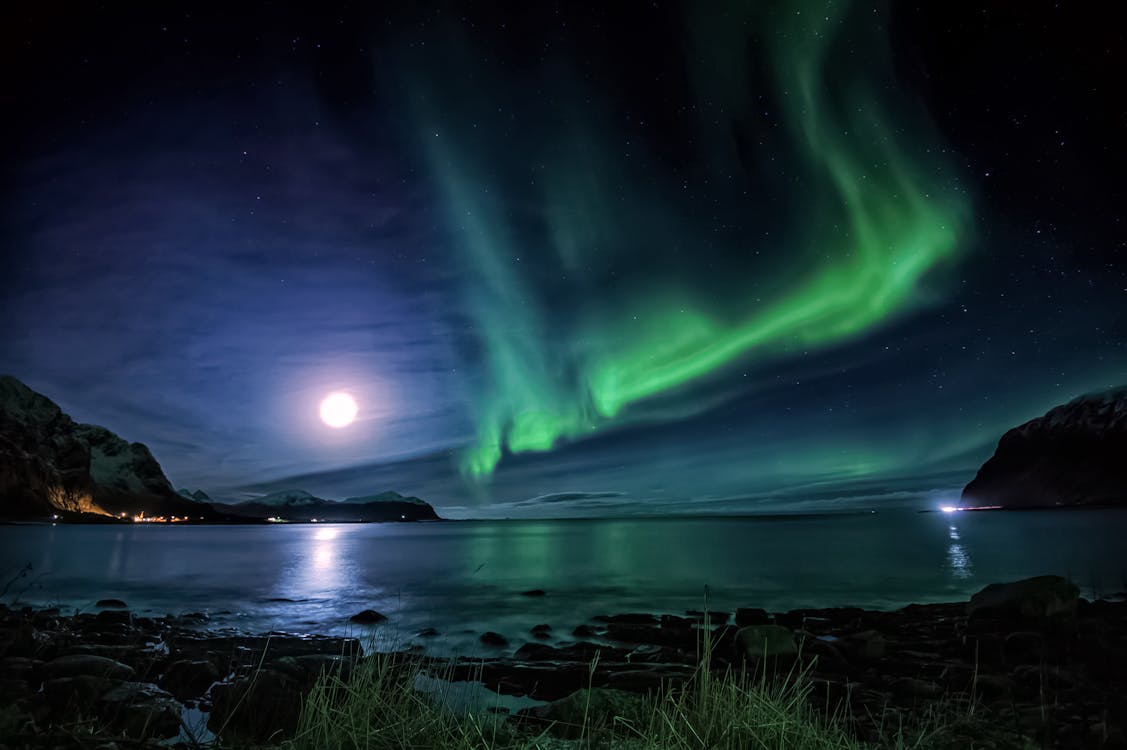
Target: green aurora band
[{"x": 577, "y": 339}]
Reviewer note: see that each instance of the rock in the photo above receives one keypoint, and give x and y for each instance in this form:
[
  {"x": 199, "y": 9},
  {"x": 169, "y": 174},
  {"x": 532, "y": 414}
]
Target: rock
[
  {"x": 713, "y": 618},
  {"x": 673, "y": 622},
  {"x": 651, "y": 679},
  {"x": 757, "y": 642},
  {"x": 584, "y": 631},
  {"x": 231, "y": 653},
  {"x": 748, "y": 616},
  {"x": 1040, "y": 676},
  {"x": 111, "y": 604},
  {"x": 1073, "y": 455},
  {"x": 368, "y": 617},
  {"x": 86, "y": 664},
  {"x": 915, "y": 688},
  {"x": 537, "y": 652},
  {"x": 190, "y": 678},
  {"x": 634, "y": 618},
  {"x": 598, "y": 704},
  {"x": 542, "y": 631},
  {"x": 140, "y": 711},
  {"x": 545, "y": 681},
  {"x": 113, "y": 616},
  {"x": 534, "y": 592},
  {"x": 993, "y": 686},
  {"x": 489, "y": 638},
  {"x": 13, "y": 690},
  {"x": 628, "y": 632},
  {"x": 1036, "y": 598},
  {"x": 18, "y": 667},
  {"x": 1023, "y": 647},
  {"x": 867, "y": 645},
  {"x": 829, "y": 656},
  {"x": 307, "y": 669},
  {"x": 65, "y": 695},
  {"x": 580, "y": 653},
  {"x": 262, "y": 707}
]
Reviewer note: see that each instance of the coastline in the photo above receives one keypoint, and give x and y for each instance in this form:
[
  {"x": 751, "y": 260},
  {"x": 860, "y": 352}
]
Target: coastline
[{"x": 1031, "y": 658}]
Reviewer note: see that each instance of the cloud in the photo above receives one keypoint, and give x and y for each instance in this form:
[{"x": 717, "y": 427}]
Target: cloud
[{"x": 565, "y": 497}]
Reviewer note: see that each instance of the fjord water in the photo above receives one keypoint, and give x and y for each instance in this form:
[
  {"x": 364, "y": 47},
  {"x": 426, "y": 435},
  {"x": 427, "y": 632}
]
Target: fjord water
[{"x": 466, "y": 577}]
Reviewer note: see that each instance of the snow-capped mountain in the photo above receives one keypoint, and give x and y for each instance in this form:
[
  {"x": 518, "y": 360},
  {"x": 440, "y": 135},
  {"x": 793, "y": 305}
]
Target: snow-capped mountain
[
  {"x": 1076, "y": 454},
  {"x": 51, "y": 465}
]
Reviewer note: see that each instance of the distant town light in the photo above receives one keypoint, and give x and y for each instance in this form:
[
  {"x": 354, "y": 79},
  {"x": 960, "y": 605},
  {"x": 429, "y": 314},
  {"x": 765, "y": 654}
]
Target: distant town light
[{"x": 948, "y": 508}]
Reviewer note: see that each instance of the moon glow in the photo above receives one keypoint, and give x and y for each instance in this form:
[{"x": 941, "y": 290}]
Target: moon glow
[{"x": 338, "y": 409}]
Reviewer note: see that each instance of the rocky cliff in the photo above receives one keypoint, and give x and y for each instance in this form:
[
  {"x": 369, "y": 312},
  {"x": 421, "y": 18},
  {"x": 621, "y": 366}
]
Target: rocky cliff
[
  {"x": 50, "y": 464},
  {"x": 1074, "y": 455}
]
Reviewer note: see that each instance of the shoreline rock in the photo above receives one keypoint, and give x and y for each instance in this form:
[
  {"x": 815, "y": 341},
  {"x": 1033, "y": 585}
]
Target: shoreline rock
[{"x": 1053, "y": 668}]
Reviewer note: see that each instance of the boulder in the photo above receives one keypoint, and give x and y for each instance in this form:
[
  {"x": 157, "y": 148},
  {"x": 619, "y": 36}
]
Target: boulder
[
  {"x": 1039, "y": 598},
  {"x": 111, "y": 604},
  {"x": 307, "y": 669},
  {"x": 489, "y": 638},
  {"x": 368, "y": 617},
  {"x": 64, "y": 695},
  {"x": 713, "y": 618},
  {"x": 113, "y": 617},
  {"x": 87, "y": 664},
  {"x": 140, "y": 711},
  {"x": 537, "y": 652},
  {"x": 757, "y": 642},
  {"x": 259, "y": 708},
  {"x": 630, "y": 618},
  {"x": 865, "y": 645},
  {"x": 190, "y": 678},
  {"x": 605, "y": 705},
  {"x": 751, "y": 616},
  {"x": 650, "y": 679},
  {"x": 18, "y": 667},
  {"x": 911, "y": 687},
  {"x": 13, "y": 689}
]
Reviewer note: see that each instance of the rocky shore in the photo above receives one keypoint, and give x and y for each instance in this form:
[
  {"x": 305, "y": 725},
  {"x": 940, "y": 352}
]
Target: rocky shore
[{"x": 1028, "y": 661}]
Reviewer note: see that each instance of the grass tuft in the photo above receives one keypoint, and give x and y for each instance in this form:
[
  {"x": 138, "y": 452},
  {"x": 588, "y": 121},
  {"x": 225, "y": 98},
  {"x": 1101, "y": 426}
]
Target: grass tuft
[{"x": 380, "y": 708}]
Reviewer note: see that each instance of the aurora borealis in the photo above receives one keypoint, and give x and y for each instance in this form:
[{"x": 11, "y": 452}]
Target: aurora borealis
[
  {"x": 571, "y": 259},
  {"x": 874, "y": 208}
]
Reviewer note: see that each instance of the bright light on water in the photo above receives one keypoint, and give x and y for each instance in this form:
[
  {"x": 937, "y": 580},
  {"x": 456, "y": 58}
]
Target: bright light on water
[{"x": 948, "y": 508}]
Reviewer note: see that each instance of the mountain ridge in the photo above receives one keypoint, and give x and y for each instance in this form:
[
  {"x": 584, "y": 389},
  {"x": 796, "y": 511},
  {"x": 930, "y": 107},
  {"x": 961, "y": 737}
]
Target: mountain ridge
[
  {"x": 54, "y": 468},
  {"x": 1073, "y": 455}
]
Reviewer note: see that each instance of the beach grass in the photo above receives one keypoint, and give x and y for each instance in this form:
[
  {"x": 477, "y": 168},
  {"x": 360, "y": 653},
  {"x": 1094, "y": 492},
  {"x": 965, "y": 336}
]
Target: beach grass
[{"x": 379, "y": 707}]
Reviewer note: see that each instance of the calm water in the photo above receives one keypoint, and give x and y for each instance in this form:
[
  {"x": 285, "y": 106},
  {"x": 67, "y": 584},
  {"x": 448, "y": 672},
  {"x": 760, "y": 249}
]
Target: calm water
[{"x": 466, "y": 577}]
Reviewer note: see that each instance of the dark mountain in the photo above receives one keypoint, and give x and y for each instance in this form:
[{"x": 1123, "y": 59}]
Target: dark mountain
[
  {"x": 297, "y": 505},
  {"x": 51, "y": 465},
  {"x": 1074, "y": 455}
]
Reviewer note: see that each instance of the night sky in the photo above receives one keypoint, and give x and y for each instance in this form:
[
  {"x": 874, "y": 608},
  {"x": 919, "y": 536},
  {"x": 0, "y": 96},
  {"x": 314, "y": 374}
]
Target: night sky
[{"x": 570, "y": 259}]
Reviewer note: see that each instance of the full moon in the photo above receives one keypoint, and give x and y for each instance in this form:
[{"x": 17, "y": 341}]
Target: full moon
[{"x": 338, "y": 409}]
